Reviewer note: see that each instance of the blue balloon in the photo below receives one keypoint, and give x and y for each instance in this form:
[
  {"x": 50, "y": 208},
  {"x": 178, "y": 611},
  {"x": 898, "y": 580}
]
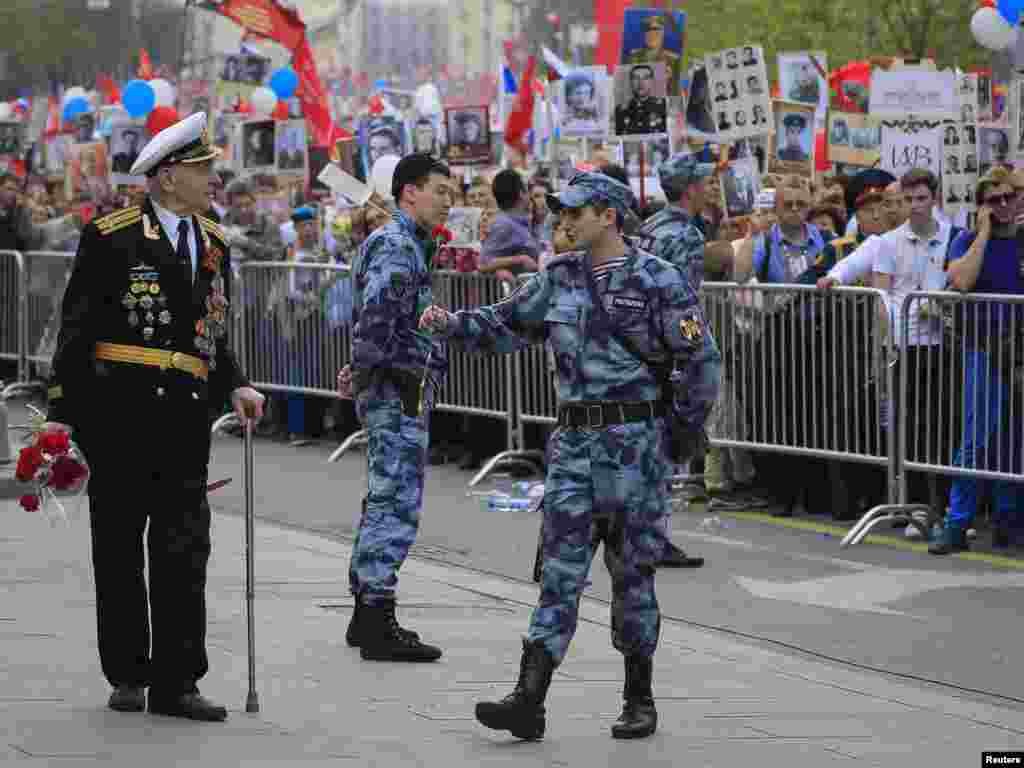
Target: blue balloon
[
  {"x": 75, "y": 107},
  {"x": 381, "y": 84},
  {"x": 1010, "y": 10},
  {"x": 138, "y": 98},
  {"x": 284, "y": 82}
]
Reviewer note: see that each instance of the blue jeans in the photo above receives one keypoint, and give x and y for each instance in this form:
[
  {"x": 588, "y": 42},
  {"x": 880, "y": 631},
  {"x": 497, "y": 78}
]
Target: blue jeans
[{"x": 986, "y": 443}]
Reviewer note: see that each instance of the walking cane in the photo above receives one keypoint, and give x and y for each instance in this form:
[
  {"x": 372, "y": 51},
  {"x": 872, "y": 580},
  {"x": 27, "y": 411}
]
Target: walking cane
[{"x": 252, "y": 703}]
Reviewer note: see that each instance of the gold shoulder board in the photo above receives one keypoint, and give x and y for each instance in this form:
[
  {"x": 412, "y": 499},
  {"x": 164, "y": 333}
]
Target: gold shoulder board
[
  {"x": 119, "y": 220},
  {"x": 213, "y": 228}
]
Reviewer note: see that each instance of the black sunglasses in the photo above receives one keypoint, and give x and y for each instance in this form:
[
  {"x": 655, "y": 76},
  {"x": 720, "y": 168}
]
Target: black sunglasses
[{"x": 997, "y": 200}]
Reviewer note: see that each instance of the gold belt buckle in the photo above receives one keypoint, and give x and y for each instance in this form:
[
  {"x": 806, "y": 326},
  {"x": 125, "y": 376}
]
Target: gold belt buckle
[{"x": 174, "y": 361}]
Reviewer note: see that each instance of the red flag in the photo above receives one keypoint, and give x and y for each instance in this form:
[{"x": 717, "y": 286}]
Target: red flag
[
  {"x": 145, "y": 70},
  {"x": 53, "y": 120},
  {"x": 850, "y": 86},
  {"x": 312, "y": 95},
  {"x": 609, "y": 15},
  {"x": 111, "y": 93},
  {"x": 520, "y": 119}
]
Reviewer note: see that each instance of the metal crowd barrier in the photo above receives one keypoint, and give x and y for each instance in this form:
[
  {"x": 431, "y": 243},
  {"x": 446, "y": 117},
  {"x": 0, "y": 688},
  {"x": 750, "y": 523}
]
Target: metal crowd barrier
[
  {"x": 960, "y": 397},
  {"x": 12, "y": 309}
]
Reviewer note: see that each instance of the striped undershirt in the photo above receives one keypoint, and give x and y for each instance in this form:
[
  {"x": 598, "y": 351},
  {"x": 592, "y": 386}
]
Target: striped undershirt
[{"x": 602, "y": 271}]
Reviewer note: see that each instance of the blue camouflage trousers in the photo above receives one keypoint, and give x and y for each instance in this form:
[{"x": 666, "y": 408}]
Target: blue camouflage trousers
[
  {"x": 616, "y": 476},
  {"x": 395, "y": 456}
]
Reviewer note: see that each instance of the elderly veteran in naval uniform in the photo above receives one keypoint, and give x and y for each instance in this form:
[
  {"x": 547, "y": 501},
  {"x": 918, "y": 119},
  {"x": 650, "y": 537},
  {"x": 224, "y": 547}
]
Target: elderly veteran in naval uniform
[{"x": 142, "y": 365}]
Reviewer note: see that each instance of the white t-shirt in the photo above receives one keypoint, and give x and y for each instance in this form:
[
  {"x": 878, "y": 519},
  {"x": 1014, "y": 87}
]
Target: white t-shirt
[
  {"x": 859, "y": 264},
  {"x": 914, "y": 265}
]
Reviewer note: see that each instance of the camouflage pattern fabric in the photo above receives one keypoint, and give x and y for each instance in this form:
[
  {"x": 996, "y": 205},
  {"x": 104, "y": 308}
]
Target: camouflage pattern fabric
[
  {"x": 396, "y": 456},
  {"x": 392, "y": 288},
  {"x": 670, "y": 234}
]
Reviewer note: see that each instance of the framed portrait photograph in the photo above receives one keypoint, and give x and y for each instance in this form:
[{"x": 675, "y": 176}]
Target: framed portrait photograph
[
  {"x": 800, "y": 81},
  {"x": 425, "y": 136},
  {"x": 380, "y": 136},
  {"x": 653, "y": 36},
  {"x": 699, "y": 121},
  {"x": 244, "y": 68},
  {"x": 85, "y": 168},
  {"x": 854, "y": 139},
  {"x": 126, "y": 142},
  {"x": 291, "y": 150},
  {"x": 641, "y": 108},
  {"x": 10, "y": 138},
  {"x": 583, "y": 98},
  {"x": 793, "y": 150},
  {"x": 469, "y": 136},
  {"x": 257, "y": 146},
  {"x": 740, "y": 183},
  {"x": 993, "y": 148}
]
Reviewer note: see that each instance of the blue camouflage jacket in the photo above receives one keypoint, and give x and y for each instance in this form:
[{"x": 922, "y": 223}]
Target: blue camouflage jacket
[
  {"x": 671, "y": 234},
  {"x": 645, "y": 308},
  {"x": 392, "y": 287}
]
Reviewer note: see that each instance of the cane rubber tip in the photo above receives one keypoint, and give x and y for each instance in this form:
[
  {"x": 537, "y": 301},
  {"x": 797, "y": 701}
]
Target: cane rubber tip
[{"x": 252, "y": 703}]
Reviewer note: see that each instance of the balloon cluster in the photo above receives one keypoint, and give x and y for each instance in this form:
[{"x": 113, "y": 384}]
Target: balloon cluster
[
  {"x": 271, "y": 100},
  {"x": 994, "y": 24}
]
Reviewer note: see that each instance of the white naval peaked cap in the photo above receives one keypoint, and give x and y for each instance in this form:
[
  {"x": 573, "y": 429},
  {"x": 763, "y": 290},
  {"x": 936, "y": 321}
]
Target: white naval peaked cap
[{"x": 187, "y": 141}]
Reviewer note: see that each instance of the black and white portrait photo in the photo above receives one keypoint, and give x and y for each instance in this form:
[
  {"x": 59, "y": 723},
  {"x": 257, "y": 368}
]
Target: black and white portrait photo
[
  {"x": 993, "y": 148},
  {"x": 749, "y": 57},
  {"x": 381, "y": 136},
  {"x": 258, "y": 145},
  {"x": 950, "y": 137},
  {"x": 640, "y": 104},
  {"x": 583, "y": 98},
  {"x": 469, "y": 135},
  {"x": 244, "y": 68},
  {"x": 126, "y": 141},
  {"x": 10, "y": 138},
  {"x": 739, "y": 184},
  {"x": 424, "y": 137},
  {"x": 291, "y": 146}
]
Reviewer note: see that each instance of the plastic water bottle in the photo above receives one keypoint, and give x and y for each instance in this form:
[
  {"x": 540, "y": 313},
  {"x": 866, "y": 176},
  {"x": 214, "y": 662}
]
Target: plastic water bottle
[{"x": 506, "y": 503}]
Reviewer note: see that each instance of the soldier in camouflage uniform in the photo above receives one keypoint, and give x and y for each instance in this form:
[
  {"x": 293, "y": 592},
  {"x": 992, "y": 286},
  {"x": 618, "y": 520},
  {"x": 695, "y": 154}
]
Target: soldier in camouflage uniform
[
  {"x": 394, "y": 375},
  {"x": 671, "y": 234},
  {"x": 625, "y": 327}
]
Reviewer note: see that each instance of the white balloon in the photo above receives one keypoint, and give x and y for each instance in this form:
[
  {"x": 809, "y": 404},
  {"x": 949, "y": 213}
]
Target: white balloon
[
  {"x": 382, "y": 174},
  {"x": 991, "y": 30},
  {"x": 74, "y": 93},
  {"x": 263, "y": 100},
  {"x": 5, "y": 111},
  {"x": 163, "y": 91}
]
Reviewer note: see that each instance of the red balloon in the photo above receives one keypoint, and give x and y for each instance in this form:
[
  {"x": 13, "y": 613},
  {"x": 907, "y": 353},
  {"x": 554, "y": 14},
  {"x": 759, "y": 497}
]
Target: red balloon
[
  {"x": 554, "y": 19},
  {"x": 244, "y": 107},
  {"x": 986, "y": 3},
  {"x": 280, "y": 111},
  {"x": 161, "y": 118},
  {"x": 376, "y": 105}
]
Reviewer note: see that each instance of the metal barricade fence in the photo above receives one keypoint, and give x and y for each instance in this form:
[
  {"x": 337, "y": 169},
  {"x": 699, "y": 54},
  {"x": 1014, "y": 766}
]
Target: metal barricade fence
[
  {"x": 46, "y": 278},
  {"x": 805, "y": 372},
  {"x": 960, "y": 399},
  {"x": 12, "y": 309}
]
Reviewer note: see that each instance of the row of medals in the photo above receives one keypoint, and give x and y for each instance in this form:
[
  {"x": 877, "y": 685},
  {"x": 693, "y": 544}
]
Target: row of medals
[{"x": 141, "y": 301}]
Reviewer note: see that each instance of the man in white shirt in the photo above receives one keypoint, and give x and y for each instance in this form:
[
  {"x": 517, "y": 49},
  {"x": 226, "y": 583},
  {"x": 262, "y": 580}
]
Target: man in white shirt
[{"x": 912, "y": 258}]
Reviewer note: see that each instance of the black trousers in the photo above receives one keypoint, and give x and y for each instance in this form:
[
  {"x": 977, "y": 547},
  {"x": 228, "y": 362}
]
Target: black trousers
[{"x": 151, "y": 634}]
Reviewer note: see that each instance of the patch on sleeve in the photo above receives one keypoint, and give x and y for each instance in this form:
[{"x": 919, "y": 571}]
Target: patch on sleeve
[
  {"x": 690, "y": 327},
  {"x": 629, "y": 303}
]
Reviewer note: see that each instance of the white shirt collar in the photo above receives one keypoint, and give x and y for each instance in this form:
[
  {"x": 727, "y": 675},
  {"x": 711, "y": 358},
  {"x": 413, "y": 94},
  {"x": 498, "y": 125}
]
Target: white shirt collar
[
  {"x": 940, "y": 236},
  {"x": 169, "y": 223}
]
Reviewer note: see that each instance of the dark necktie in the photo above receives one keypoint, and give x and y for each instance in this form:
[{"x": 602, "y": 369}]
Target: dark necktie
[{"x": 184, "y": 257}]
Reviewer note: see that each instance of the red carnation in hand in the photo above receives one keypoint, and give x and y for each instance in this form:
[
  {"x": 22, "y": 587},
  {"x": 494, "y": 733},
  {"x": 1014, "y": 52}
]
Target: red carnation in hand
[
  {"x": 29, "y": 460},
  {"x": 30, "y": 502},
  {"x": 65, "y": 473},
  {"x": 441, "y": 234},
  {"x": 55, "y": 443}
]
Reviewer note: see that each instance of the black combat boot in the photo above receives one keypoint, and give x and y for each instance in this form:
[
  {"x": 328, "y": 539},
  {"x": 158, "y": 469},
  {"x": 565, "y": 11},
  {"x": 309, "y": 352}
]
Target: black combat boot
[
  {"x": 352, "y": 635},
  {"x": 639, "y": 718},
  {"x": 522, "y": 711},
  {"x": 382, "y": 639}
]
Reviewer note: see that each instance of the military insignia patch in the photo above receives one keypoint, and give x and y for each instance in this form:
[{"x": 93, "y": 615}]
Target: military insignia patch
[{"x": 690, "y": 329}]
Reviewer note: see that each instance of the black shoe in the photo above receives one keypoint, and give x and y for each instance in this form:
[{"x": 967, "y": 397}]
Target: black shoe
[
  {"x": 128, "y": 698},
  {"x": 639, "y": 718},
  {"x": 1000, "y": 538},
  {"x": 676, "y": 558},
  {"x": 436, "y": 456},
  {"x": 522, "y": 712},
  {"x": 381, "y": 638},
  {"x": 190, "y": 706},
  {"x": 353, "y": 634}
]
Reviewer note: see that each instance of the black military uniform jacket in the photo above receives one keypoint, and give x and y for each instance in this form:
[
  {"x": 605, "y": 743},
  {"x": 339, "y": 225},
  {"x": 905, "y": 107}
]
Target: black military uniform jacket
[
  {"x": 127, "y": 288},
  {"x": 641, "y": 116}
]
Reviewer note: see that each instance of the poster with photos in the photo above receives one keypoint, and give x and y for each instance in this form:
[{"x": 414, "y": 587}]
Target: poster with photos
[
  {"x": 291, "y": 149},
  {"x": 1017, "y": 120},
  {"x": 379, "y": 136},
  {"x": 993, "y": 147},
  {"x": 793, "y": 146},
  {"x": 85, "y": 168},
  {"x": 985, "y": 98},
  {"x": 698, "y": 116},
  {"x": 469, "y": 135},
  {"x": 583, "y": 99},
  {"x": 854, "y": 139},
  {"x": 650, "y": 35},
  {"x": 655, "y": 152},
  {"x": 10, "y": 138},
  {"x": 800, "y": 80},
  {"x": 740, "y": 184},
  {"x": 959, "y": 168},
  {"x": 740, "y": 100},
  {"x": 641, "y": 109}
]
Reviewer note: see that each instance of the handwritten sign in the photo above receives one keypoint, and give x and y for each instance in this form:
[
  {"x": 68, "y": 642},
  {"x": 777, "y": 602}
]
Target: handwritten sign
[
  {"x": 918, "y": 92},
  {"x": 905, "y": 148}
]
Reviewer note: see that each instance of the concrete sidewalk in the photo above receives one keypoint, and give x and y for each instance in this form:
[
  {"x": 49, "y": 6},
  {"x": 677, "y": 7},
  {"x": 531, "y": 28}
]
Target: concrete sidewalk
[{"x": 720, "y": 703}]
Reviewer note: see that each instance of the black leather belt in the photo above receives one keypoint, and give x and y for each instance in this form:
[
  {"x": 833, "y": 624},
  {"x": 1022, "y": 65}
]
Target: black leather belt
[{"x": 597, "y": 415}]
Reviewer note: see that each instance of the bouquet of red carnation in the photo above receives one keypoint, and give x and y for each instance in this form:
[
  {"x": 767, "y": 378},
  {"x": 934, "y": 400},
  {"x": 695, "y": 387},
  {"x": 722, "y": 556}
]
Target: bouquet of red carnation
[
  {"x": 53, "y": 465},
  {"x": 441, "y": 236}
]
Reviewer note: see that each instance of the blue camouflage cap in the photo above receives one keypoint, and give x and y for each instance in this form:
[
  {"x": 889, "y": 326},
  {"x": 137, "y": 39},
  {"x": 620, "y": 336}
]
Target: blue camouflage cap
[
  {"x": 682, "y": 169},
  {"x": 588, "y": 188}
]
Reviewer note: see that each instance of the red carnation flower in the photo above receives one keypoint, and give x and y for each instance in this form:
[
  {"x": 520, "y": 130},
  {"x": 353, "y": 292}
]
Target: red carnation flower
[
  {"x": 442, "y": 234},
  {"x": 29, "y": 460},
  {"x": 65, "y": 473},
  {"x": 54, "y": 443},
  {"x": 29, "y": 502}
]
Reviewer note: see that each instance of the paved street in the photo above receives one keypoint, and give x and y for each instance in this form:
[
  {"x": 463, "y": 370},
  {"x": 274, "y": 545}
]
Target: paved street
[{"x": 724, "y": 699}]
